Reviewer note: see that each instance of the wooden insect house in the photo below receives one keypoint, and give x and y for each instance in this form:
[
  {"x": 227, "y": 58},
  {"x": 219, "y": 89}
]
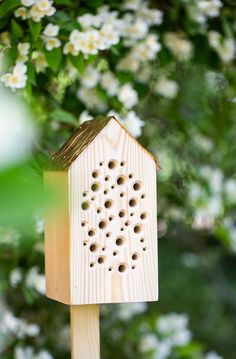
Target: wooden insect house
[{"x": 101, "y": 237}]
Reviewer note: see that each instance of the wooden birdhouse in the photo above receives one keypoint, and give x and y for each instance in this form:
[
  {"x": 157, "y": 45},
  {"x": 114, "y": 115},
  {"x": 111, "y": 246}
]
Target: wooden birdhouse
[{"x": 101, "y": 238}]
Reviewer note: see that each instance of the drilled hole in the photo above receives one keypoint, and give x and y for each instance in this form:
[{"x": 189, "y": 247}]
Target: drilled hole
[
  {"x": 103, "y": 248},
  {"x": 131, "y": 175},
  {"x": 133, "y": 202},
  {"x": 121, "y": 180},
  {"x": 93, "y": 198},
  {"x": 102, "y": 224},
  {"x": 137, "y": 228},
  {"x": 85, "y": 194},
  {"x": 112, "y": 164},
  {"x": 131, "y": 214},
  {"x": 143, "y": 215},
  {"x": 107, "y": 178},
  {"x": 99, "y": 210},
  {"x": 120, "y": 241},
  {"x": 111, "y": 218},
  {"x": 83, "y": 223},
  {"x": 112, "y": 187},
  {"x": 122, "y": 268},
  {"x": 95, "y": 174},
  {"x": 93, "y": 247},
  {"x": 91, "y": 232},
  {"x": 92, "y": 265},
  {"x": 122, "y": 163},
  {"x": 122, "y": 229},
  {"x": 122, "y": 194},
  {"x": 95, "y": 186},
  {"x": 143, "y": 196},
  {"x": 108, "y": 203},
  {"x": 101, "y": 163},
  {"x": 85, "y": 205},
  {"x": 133, "y": 267},
  {"x": 101, "y": 259},
  {"x": 85, "y": 243},
  {"x": 122, "y": 213},
  {"x": 127, "y": 223},
  {"x": 135, "y": 256},
  {"x": 144, "y": 249},
  {"x": 110, "y": 269},
  {"x": 137, "y": 186},
  {"x": 108, "y": 234},
  {"x": 142, "y": 240},
  {"x": 115, "y": 253},
  {"x": 106, "y": 191}
]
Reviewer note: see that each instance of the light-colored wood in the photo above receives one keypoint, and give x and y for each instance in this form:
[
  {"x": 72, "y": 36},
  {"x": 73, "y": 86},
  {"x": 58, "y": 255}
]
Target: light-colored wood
[
  {"x": 57, "y": 238},
  {"x": 97, "y": 284},
  {"x": 85, "y": 337}
]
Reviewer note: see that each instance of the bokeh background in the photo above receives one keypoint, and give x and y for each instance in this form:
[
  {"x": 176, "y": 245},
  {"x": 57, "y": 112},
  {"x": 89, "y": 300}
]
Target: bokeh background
[{"x": 167, "y": 70}]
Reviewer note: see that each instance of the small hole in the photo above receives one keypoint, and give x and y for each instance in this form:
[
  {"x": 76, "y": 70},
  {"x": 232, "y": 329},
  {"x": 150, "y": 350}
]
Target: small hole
[
  {"x": 144, "y": 249},
  {"x": 112, "y": 187},
  {"x": 106, "y": 191},
  {"x": 108, "y": 234},
  {"x": 85, "y": 243},
  {"x": 91, "y": 265},
  {"x": 133, "y": 202},
  {"x": 93, "y": 247},
  {"x": 102, "y": 224},
  {"x": 135, "y": 256},
  {"x": 137, "y": 228},
  {"x": 127, "y": 223},
  {"x": 122, "y": 229},
  {"x": 107, "y": 178},
  {"x": 95, "y": 187},
  {"x": 83, "y": 223},
  {"x": 108, "y": 203},
  {"x": 103, "y": 248},
  {"x": 99, "y": 210},
  {"x": 101, "y": 259},
  {"x": 95, "y": 174},
  {"x": 143, "y": 215},
  {"x": 121, "y": 180},
  {"x": 122, "y": 194},
  {"x": 133, "y": 267},
  {"x": 131, "y": 175},
  {"x": 122, "y": 214},
  {"x": 143, "y": 196},
  {"x": 115, "y": 253},
  {"x": 142, "y": 240},
  {"x": 110, "y": 269},
  {"x": 85, "y": 194},
  {"x": 120, "y": 241},
  {"x": 85, "y": 205},
  {"x": 91, "y": 232},
  {"x": 137, "y": 186},
  {"x": 122, "y": 268},
  {"x": 122, "y": 163},
  {"x": 111, "y": 218},
  {"x": 112, "y": 164},
  {"x": 101, "y": 163},
  {"x": 131, "y": 214},
  {"x": 93, "y": 198}
]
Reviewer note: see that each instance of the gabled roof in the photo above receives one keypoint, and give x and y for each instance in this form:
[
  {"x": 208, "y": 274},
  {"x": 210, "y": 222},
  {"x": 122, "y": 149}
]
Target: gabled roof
[{"x": 79, "y": 140}]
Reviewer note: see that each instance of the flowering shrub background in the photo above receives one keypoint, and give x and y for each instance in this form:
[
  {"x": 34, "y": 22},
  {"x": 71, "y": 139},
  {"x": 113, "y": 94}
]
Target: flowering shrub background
[{"x": 166, "y": 69}]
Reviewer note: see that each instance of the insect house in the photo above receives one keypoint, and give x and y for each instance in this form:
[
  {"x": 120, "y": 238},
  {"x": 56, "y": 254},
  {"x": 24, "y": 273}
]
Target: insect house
[{"x": 101, "y": 236}]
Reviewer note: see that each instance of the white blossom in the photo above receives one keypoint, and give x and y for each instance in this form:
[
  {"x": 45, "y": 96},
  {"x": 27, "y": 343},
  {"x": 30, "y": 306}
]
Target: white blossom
[
  {"x": 85, "y": 116},
  {"x": 209, "y": 8},
  {"x": 40, "y": 61},
  {"x": 167, "y": 88},
  {"x": 90, "y": 77},
  {"x": 16, "y": 79},
  {"x": 225, "y": 47},
  {"x": 128, "y": 96},
  {"x": 23, "y": 48},
  {"x": 91, "y": 99},
  {"x": 230, "y": 190},
  {"x": 21, "y": 12},
  {"x": 175, "y": 326},
  {"x": 109, "y": 83},
  {"x": 133, "y": 123},
  {"x": 27, "y": 2},
  {"x": 15, "y": 277},
  {"x": 149, "y": 342},
  {"x": 51, "y": 30},
  {"x": 213, "y": 355},
  {"x": 35, "y": 280},
  {"x": 181, "y": 47},
  {"x": 52, "y": 43},
  {"x": 127, "y": 311}
]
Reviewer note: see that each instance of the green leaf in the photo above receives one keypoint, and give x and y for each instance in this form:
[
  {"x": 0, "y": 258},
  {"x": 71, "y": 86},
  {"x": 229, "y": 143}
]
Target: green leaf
[
  {"x": 31, "y": 74},
  {"x": 63, "y": 2},
  {"x": 54, "y": 58},
  {"x": 16, "y": 29},
  {"x": 78, "y": 62},
  {"x": 8, "y": 5},
  {"x": 63, "y": 116},
  {"x": 35, "y": 29}
]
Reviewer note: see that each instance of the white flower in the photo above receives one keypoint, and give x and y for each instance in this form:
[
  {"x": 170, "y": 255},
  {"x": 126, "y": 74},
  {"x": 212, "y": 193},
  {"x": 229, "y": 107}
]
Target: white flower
[
  {"x": 166, "y": 88},
  {"x": 144, "y": 74},
  {"x": 91, "y": 99},
  {"x": 136, "y": 31},
  {"x": 90, "y": 77},
  {"x": 181, "y": 48},
  {"x": 27, "y": 2},
  {"x": 16, "y": 79},
  {"x": 51, "y": 30},
  {"x": 210, "y": 8},
  {"x": 150, "y": 16},
  {"x": 44, "y": 5},
  {"x": 52, "y": 43},
  {"x": 132, "y": 4},
  {"x": 227, "y": 50},
  {"x": 127, "y": 311},
  {"x": 230, "y": 190},
  {"x": 109, "y": 83},
  {"x": 15, "y": 277},
  {"x": 23, "y": 353},
  {"x": 149, "y": 342},
  {"x": 40, "y": 62},
  {"x": 108, "y": 36},
  {"x": 214, "y": 39},
  {"x": 88, "y": 20},
  {"x": 21, "y": 12},
  {"x": 69, "y": 48},
  {"x": 175, "y": 327},
  {"x": 163, "y": 350},
  {"x": 203, "y": 220},
  {"x": 40, "y": 9},
  {"x": 23, "y": 48},
  {"x": 85, "y": 116},
  {"x": 133, "y": 123},
  {"x": 128, "y": 64},
  {"x": 213, "y": 355},
  {"x": 17, "y": 129},
  {"x": 35, "y": 280},
  {"x": 43, "y": 354},
  {"x": 128, "y": 96}
]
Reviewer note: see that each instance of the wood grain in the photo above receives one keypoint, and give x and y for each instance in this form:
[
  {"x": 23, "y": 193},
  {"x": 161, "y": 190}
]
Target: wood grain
[{"x": 85, "y": 337}]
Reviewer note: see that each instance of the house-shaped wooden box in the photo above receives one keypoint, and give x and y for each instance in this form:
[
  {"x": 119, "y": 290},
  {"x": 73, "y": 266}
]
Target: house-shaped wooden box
[{"x": 101, "y": 239}]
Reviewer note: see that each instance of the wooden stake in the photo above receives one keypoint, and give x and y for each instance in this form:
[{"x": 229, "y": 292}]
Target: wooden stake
[{"x": 85, "y": 337}]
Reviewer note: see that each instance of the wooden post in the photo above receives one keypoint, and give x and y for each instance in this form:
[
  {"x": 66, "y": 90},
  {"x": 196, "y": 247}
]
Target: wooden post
[{"x": 85, "y": 337}]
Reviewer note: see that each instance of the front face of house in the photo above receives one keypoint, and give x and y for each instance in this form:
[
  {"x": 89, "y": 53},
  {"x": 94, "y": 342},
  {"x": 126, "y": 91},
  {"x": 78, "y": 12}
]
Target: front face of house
[{"x": 113, "y": 230}]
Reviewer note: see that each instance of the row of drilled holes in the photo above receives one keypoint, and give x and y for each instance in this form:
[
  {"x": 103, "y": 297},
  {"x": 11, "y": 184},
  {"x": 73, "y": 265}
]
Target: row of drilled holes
[
  {"x": 120, "y": 181},
  {"x": 109, "y": 203}
]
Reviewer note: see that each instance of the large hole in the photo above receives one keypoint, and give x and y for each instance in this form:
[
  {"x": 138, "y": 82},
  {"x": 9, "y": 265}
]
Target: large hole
[
  {"x": 122, "y": 267},
  {"x": 121, "y": 180},
  {"x": 133, "y": 202},
  {"x": 122, "y": 213},
  {"x": 138, "y": 228},
  {"x": 95, "y": 186},
  {"x": 112, "y": 164},
  {"x": 108, "y": 203},
  {"x": 95, "y": 174},
  {"x": 120, "y": 241},
  {"x": 93, "y": 247},
  {"x": 91, "y": 232},
  {"x": 137, "y": 186},
  {"x": 102, "y": 224},
  {"x": 101, "y": 259},
  {"x": 85, "y": 205}
]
